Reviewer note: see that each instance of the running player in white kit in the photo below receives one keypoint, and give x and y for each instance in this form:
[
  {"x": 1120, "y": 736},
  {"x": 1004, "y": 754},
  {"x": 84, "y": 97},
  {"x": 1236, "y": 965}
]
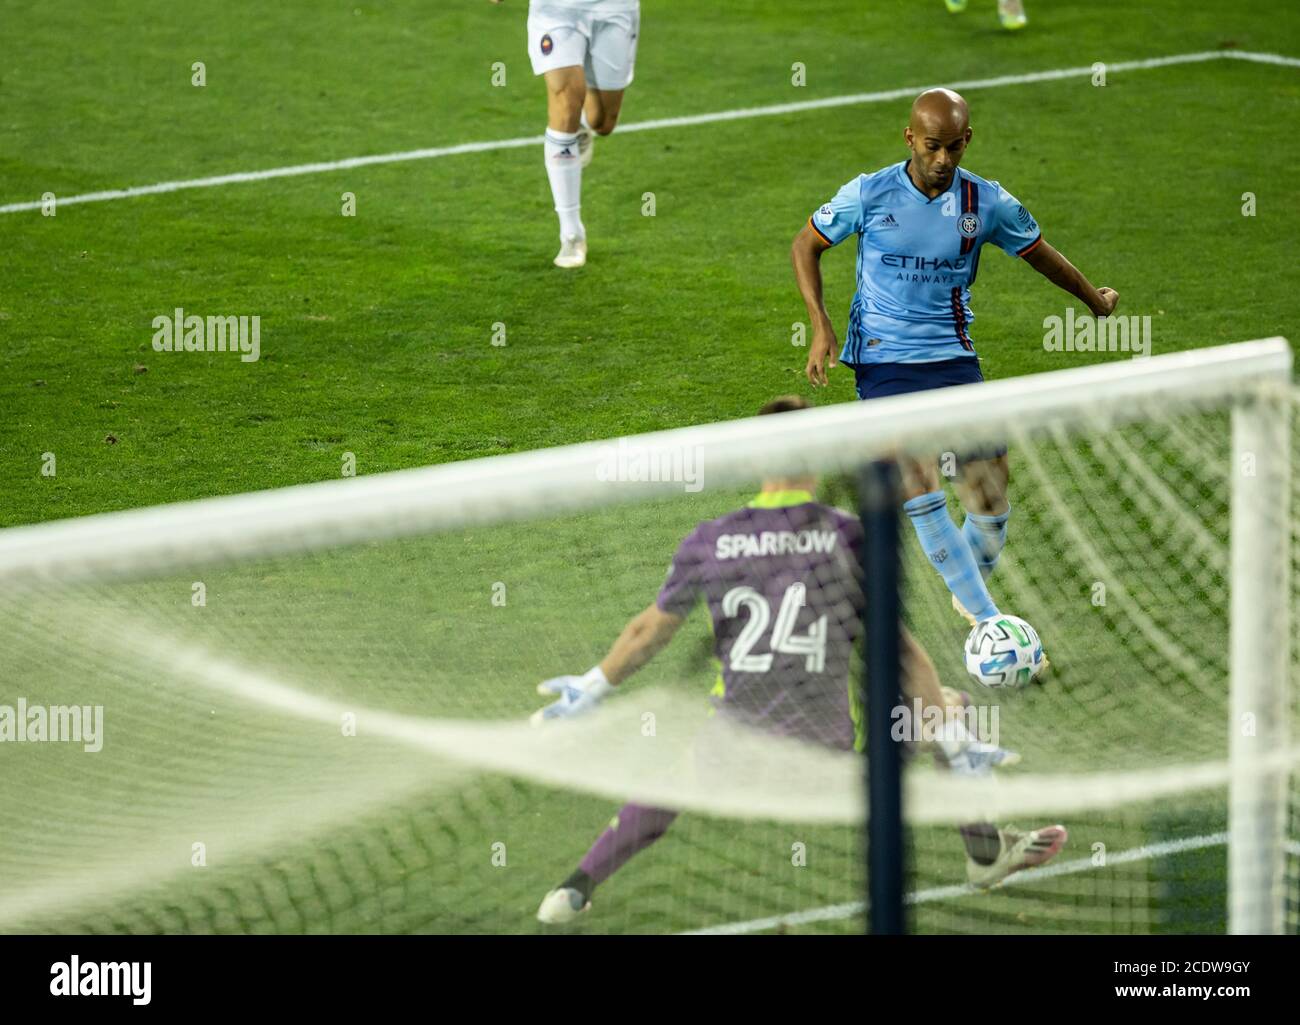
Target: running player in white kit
[{"x": 586, "y": 50}]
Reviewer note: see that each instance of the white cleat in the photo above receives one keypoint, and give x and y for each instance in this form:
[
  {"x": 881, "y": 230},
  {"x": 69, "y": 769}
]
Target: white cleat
[
  {"x": 586, "y": 145},
  {"x": 573, "y": 253},
  {"x": 561, "y": 906},
  {"x": 1019, "y": 850}
]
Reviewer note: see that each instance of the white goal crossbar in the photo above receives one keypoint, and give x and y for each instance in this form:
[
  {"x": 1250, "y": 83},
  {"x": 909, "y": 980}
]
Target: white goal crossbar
[{"x": 573, "y": 477}]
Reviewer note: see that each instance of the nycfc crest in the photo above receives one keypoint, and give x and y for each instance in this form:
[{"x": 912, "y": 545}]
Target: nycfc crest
[{"x": 969, "y": 225}]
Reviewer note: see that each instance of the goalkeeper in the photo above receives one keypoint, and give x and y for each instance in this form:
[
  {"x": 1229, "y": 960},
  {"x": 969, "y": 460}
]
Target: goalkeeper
[{"x": 781, "y": 580}]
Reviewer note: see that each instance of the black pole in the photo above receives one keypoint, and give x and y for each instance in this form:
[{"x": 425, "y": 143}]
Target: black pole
[{"x": 879, "y": 499}]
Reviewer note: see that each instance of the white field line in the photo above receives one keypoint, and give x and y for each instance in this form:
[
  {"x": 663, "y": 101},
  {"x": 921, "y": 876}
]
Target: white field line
[
  {"x": 837, "y": 911},
  {"x": 743, "y": 113}
]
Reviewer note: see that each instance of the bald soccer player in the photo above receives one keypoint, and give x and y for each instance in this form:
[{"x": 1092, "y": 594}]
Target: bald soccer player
[{"x": 921, "y": 224}]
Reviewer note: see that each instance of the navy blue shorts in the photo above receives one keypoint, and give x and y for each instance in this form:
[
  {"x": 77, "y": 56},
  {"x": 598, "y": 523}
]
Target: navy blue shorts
[{"x": 876, "y": 380}]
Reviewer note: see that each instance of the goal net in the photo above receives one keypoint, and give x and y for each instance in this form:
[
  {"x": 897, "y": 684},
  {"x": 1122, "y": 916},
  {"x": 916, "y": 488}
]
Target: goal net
[{"x": 307, "y": 710}]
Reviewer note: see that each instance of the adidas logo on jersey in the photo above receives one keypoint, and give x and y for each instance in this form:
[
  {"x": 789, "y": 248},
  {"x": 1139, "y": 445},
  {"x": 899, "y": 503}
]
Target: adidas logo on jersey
[{"x": 888, "y": 222}]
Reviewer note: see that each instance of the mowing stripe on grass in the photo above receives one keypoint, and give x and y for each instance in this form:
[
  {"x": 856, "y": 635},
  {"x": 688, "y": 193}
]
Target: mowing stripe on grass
[
  {"x": 936, "y": 893},
  {"x": 645, "y": 126}
]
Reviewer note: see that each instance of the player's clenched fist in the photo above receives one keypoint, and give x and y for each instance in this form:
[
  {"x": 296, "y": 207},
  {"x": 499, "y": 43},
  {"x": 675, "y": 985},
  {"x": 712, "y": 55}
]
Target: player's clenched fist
[
  {"x": 821, "y": 355},
  {"x": 1109, "y": 300}
]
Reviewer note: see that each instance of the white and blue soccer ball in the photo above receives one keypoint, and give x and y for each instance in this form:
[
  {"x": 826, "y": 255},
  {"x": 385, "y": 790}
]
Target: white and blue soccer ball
[{"x": 1004, "y": 651}]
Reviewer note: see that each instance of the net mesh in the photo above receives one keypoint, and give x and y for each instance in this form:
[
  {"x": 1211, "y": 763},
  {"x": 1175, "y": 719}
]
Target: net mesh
[{"x": 334, "y": 737}]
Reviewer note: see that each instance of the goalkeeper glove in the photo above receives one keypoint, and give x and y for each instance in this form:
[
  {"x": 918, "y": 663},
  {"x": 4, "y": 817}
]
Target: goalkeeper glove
[
  {"x": 578, "y": 694},
  {"x": 977, "y": 759}
]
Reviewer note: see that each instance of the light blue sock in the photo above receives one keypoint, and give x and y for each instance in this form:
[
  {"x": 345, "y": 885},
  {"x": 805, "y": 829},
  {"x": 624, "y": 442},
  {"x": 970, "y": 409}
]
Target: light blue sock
[
  {"x": 948, "y": 550},
  {"x": 986, "y": 536}
]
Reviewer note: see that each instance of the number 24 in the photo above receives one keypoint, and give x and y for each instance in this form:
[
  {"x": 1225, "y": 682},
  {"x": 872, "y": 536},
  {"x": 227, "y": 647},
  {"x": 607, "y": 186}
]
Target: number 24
[{"x": 811, "y": 644}]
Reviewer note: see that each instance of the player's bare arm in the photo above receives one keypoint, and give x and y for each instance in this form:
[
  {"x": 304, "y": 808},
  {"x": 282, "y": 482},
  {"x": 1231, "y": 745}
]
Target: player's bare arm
[
  {"x": 646, "y": 634},
  {"x": 806, "y": 255},
  {"x": 1049, "y": 262}
]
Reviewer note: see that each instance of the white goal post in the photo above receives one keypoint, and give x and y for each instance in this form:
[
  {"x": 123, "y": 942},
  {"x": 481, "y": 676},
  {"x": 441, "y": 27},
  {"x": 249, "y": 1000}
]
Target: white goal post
[{"x": 1259, "y": 638}]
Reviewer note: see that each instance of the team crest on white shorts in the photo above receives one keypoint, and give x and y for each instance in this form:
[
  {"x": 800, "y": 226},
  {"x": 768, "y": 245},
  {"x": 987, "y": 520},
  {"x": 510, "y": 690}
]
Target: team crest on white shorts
[{"x": 969, "y": 225}]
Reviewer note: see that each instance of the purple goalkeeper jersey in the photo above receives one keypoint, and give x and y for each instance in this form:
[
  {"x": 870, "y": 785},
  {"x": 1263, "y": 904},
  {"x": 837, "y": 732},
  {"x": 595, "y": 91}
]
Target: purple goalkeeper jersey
[{"x": 782, "y": 581}]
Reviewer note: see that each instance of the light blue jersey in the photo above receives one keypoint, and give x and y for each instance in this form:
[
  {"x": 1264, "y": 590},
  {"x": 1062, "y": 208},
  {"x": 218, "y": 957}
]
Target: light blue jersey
[{"x": 917, "y": 258}]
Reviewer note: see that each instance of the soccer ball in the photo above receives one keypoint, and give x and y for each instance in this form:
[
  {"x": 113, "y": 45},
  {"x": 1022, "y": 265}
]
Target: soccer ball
[{"x": 1004, "y": 652}]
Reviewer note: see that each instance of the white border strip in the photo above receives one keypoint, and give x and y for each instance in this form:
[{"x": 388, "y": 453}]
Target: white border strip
[
  {"x": 548, "y": 481},
  {"x": 645, "y": 126}
]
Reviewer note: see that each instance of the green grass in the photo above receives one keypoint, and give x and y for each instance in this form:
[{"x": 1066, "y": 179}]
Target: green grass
[{"x": 376, "y": 340}]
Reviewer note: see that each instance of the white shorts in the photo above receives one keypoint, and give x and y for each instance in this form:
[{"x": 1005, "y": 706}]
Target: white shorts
[{"x": 603, "y": 45}]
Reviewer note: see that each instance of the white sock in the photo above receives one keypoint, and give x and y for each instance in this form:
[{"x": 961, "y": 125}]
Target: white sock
[
  {"x": 565, "y": 174},
  {"x": 583, "y": 120}
]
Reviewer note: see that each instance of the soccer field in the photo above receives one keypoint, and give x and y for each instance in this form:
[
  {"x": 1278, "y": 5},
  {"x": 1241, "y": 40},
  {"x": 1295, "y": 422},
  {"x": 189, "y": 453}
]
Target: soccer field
[{"x": 377, "y": 341}]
